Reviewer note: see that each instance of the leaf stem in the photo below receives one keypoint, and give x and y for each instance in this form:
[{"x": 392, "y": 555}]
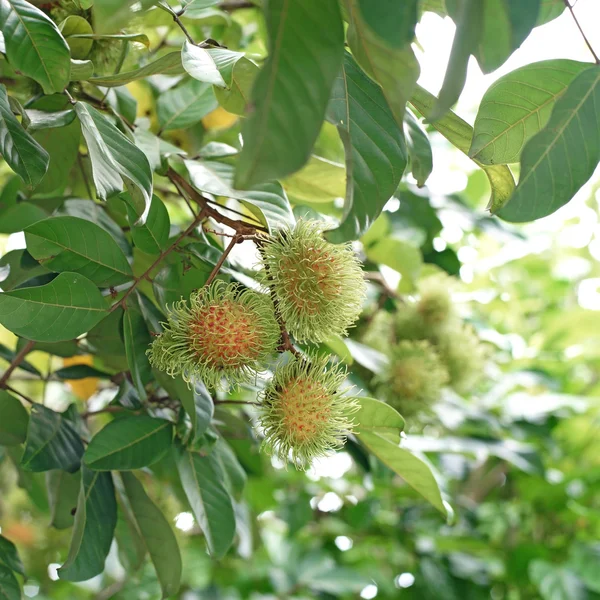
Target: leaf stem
[
  {"x": 8, "y": 388},
  {"x": 16, "y": 361},
  {"x": 236, "y": 239},
  {"x": 177, "y": 20},
  {"x": 568, "y": 5}
]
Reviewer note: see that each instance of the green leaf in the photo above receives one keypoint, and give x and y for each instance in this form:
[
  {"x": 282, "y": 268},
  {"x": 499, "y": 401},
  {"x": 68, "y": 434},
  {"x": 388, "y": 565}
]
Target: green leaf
[
  {"x": 419, "y": 149},
  {"x": 386, "y": 58},
  {"x": 34, "y": 45},
  {"x": 549, "y": 10},
  {"x": 95, "y": 521},
  {"x": 9, "y": 355},
  {"x": 379, "y": 418},
  {"x": 185, "y": 105},
  {"x": 79, "y": 372},
  {"x": 78, "y": 245},
  {"x": 460, "y": 133},
  {"x": 199, "y": 63},
  {"x": 376, "y": 154},
  {"x": 584, "y": 560},
  {"x": 63, "y": 491},
  {"x": 555, "y": 582},
  {"x": 289, "y": 102},
  {"x": 400, "y": 256},
  {"x": 137, "y": 340},
  {"x": 40, "y": 119},
  {"x": 216, "y": 178},
  {"x": 72, "y": 26},
  {"x": 517, "y": 106},
  {"x": 9, "y": 557},
  {"x": 18, "y": 217},
  {"x": 9, "y": 586},
  {"x": 81, "y": 70},
  {"x": 157, "y": 534},
  {"x": 506, "y": 24},
  {"x": 113, "y": 155},
  {"x": 169, "y": 64},
  {"x": 321, "y": 180},
  {"x": 52, "y": 442},
  {"x": 132, "y": 548},
  {"x": 239, "y": 74},
  {"x": 412, "y": 469},
  {"x": 13, "y": 420},
  {"x": 129, "y": 443},
  {"x": 197, "y": 403},
  {"x": 152, "y": 237},
  {"x": 235, "y": 476},
  {"x": 18, "y": 273},
  {"x": 202, "y": 480},
  {"x": 557, "y": 161},
  {"x": 61, "y": 310},
  {"x": 62, "y": 349},
  {"x": 112, "y": 15},
  {"x": 20, "y": 151},
  {"x": 469, "y": 22}
]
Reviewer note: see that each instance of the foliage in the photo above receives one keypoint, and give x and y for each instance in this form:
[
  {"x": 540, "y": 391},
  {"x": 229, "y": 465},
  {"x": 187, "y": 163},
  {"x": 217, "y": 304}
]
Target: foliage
[{"x": 224, "y": 266}]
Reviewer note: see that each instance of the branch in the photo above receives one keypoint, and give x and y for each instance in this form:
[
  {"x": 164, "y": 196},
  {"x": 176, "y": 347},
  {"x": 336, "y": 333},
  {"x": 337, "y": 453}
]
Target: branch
[
  {"x": 16, "y": 361},
  {"x": 230, "y": 5},
  {"x": 221, "y": 402},
  {"x": 8, "y": 388},
  {"x": 106, "y": 409},
  {"x": 236, "y": 239},
  {"x": 568, "y": 5}
]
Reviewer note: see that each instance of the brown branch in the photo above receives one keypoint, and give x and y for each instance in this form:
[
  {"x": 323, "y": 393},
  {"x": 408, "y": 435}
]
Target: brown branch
[
  {"x": 106, "y": 409},
  {"x": 16, "y": 361},
  {"x": 230, "y": 5},
  {"x": 8, "y": 388},
  {"x": 236, "y": 239},
  {"x": 568, "y": 5},
  {"x": 221, "y": 402}
]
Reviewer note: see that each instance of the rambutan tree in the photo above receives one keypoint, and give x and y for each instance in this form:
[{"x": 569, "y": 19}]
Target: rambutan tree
[{"x": 225, "y": 269}]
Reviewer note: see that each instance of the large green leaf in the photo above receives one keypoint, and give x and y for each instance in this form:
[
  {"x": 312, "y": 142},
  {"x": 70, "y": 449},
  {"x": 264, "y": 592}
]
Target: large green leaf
[
  {"x": 157, "y": 535},
  {"x": 95, "y": 521},
  {"x": 52, "y": 442},
  {"x": 20, "y": 151},
  {"x": 385, "y": 57},
  {"x": 202, "y": 480},
  {"x": 199, "y": 63},
  {"x": 63, "y": 491},
  {"x": 18, "y": 273},
  {"x": 13, "y": 420},
  {"x": 114, "y": 156},
  {"x": 557, "y": 161},
  {"x": 137, "y": 340},
  {"x": 60, "y": 310},
  {"x": 234, "y": 474},
  {"x": 78, "y": 245},
  {"x": 239, "y": 74},
  {"x": 9, "y": 586},
  {"x": 376, "y": 154},
  {"x": 9, "y": 557},
  {"x": 18, "y": 217},
  {"x": 216, "y": 178},
  {"x": 378, "y": 417},
  {"x": 419, "y": 149},
  {"x": 185, "y": 105},
  {"x": 152, "y": 237},
  {"x": 556, "y": 582},
  {"x": 129, "y": 443},
  {"x": 321, "y": 180},
  {"x": 412, "y": 469},
  {"x": 290, "y": 95},
  {"x": 460, "y": 133},
  {"x": 401, "y": 256},
  {"x": 34, "y": 45},
  {"x": 169, "y": 64},
  {"x": 517, "y": 106}
]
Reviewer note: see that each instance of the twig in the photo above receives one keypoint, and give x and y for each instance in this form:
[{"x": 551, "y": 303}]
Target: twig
[
  {"x": 221, "y": 402},
  {"x": 8, "y": 388},
  {"x": 568, "y": 5},
  {"x": 106, "y": 409},
  {"x": 160, "y": 258},
  {"x": 16, "y": 361},
  {"x": 236, "y": 239},
  {"x": 229, "y": 5},
  {"x": 177, "y": 20}
]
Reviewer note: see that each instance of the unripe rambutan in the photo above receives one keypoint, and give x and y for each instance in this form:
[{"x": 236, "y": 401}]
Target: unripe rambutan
[
  {"x": 379, "y": 332},
  {"x": 435, "y": 304},
  {"x": 414, "y": 378},
  {"x": 303, "y": 414},
  {"x": 319, "y": 286},
  {"x": 223, "y": 333}
]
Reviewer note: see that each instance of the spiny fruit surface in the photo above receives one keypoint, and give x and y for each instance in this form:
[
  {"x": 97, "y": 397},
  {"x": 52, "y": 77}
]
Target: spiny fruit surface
[
  {"x": 303, "y": 414},
  {"x": 223, "y": 333},
  {"x": 435, "y": 304},
  {"x": 414, "y": 378},
  {"x": 319, "y": 286}
]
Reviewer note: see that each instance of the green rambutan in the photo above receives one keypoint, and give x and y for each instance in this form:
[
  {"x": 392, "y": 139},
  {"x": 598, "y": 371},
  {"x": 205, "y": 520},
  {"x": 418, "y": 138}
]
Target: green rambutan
[
  {"x": 414, "y": 378},
  {"x": 319, "y": 286},
  {"x": 224, "y": 333},
  {"x": 435, "y": 303},
  {"x": 302, "y": 412}
]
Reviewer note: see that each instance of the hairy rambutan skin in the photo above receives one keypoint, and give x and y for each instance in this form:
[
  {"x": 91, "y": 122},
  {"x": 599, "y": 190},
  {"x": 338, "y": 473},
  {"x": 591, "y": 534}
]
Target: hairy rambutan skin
[
  {"x": 223, "y": 334},
  {"x": 319, "y": 286},
  {"x": 414, "y": 379},
  {"x": 302, "y": 412}
]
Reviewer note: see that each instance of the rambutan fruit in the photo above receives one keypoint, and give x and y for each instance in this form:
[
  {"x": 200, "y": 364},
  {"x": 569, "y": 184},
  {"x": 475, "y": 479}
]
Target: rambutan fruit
[
  {"x": 224, "y": 333},
  {"x": 303, "y": 414},
  {"x": 434, "y": 305},
  {"x": 414, "y": 378},
  {"x": 319, "y": 286}
]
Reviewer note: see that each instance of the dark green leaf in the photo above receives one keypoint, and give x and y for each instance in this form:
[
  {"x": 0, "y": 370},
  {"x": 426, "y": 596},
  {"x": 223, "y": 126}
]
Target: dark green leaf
[
  {"x": 9, "y": 356},
  {"x": 419, "y": 149},
  {"x": 132, "y": 549},
  {"x": 34, "y": 45},
  {"x": 129, "y": 443},
  {"x": 39, "y": 119},
  {"x": 13, "y": 420},
  {"x": 202, "y": 481},
  {"x": 289, "y": 102},
  {"x": 63, "y": 349},
  {"x": 157, "y": 535},
  {"x": 52, "y": 442},
  {"x": 105, "y": 340},
  {"x": 137, "y": 340},
  {"x": 61, "y": 310},
  {"x": 63, "y": 491},
  {"x": 20, "y": 151},
  {"x": 393, "y": 22},
  {"x": 95, "y": 521},
  {"x": 185, "y": 105},
  {"x": 78, "y": 245},
  {"x": 79, "y": 372},
  {"x": 9, "y": 557},
  {"x": 113, "y": 155},
  {"x": 376, "y": 154},
  {"x": 17, "y": 273},
  {"x": 517, "y": 106},
  {"x": 123, "y": 102},
  {"x": 197, "y": 403},
  {"x": 557, "y": 161},
  {"x": 18, "y": 217},
  {"x": 9, "y": 586},
  {"x": 235, "y": 476},
  {"x": 153, "y": 235}
]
